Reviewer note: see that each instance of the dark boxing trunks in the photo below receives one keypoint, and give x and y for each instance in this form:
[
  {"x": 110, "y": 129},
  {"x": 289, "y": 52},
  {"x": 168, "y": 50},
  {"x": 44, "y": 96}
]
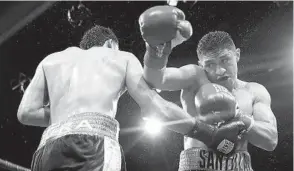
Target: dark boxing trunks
[
  {"x": 84, "y": 142},
  {"x": 197, "y": 159}
]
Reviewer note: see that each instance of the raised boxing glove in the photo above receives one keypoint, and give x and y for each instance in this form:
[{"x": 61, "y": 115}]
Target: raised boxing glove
[
  {"x": 161, "y": 24},
  {"x": 162, "y": 28}
]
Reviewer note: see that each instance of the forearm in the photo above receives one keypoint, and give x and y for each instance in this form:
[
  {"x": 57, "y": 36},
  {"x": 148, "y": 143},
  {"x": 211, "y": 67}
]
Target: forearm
[
  {"x": 154, "y": 66},
  {"x": 175, "y": 118},
  {"x": 154, "y": 77},
  {"x": 40, "y": 117},
  {"x": 263, "y": 135}
]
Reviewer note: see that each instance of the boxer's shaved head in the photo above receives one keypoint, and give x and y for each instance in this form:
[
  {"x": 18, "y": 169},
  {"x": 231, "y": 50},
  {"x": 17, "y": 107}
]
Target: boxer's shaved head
[
  {"x": 214, "y": 41},
  {"x": 97, "y": 36}
]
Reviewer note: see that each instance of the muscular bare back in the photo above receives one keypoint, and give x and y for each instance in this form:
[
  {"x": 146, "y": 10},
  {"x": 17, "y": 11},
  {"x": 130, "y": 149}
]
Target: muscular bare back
[
  {"x": 84, "y": 81},
  {"x": 243, "y": 96}
]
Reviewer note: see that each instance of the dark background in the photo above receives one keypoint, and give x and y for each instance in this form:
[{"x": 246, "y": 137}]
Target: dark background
[{"x": 263, "y": 31}]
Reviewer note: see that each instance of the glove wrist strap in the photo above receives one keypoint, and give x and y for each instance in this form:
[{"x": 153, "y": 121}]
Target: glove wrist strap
[
  {"x": 155, "y": 60},
  {"x": 251, "y": 125},
  {"x": 202, "y": 131},
  {"x": 247, "y": 120}
]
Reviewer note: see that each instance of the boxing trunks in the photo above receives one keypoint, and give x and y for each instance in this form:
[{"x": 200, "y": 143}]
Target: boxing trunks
[
  {"x": 197, "y": 159},
  {"x": 84, "y": 142}
]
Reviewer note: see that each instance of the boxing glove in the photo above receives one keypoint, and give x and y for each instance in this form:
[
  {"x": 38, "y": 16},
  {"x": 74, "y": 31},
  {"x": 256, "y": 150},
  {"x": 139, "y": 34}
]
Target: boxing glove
[
  {"x": 215, "y": 104},
  {"x": 222, "y": 139},
  {"x": 161, "y": 24},
  {"x": 162, "y": 28},
  {"x": 246, "y": 119},
  {"x": 226, "y": 137}
]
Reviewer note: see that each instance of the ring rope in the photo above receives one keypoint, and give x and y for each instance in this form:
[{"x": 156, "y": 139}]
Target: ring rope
[{"x": 11, "y": 166}]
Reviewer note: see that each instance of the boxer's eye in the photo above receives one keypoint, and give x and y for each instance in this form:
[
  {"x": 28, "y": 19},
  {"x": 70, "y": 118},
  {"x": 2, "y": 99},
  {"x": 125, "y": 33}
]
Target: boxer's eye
[
  {"x": 225, "y": 60},
  {"x": 210, "y": 65}
]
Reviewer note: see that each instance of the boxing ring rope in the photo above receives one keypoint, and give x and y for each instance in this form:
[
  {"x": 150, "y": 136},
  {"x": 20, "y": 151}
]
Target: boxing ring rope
[
  {"x": 4, "y": 164},
  {"x": 18, "y": 15},
  {"x": 26, "y": 12}
]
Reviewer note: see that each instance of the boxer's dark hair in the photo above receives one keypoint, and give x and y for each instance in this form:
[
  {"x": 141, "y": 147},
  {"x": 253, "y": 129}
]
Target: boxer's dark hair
[
  {"x": 96, "y": 36},
  {"x": 214, "y": 41}
]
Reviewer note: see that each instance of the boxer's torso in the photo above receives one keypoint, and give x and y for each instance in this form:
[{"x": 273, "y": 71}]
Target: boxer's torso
[
  {"x": 244, "y": 98},
  {"x": 84, "y": 81}
]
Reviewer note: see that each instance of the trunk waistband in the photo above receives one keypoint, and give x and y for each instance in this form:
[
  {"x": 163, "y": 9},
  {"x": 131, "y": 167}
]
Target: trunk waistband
[
  {"x": 92, "y": 123},
  {"x": 207, "y": 160}
]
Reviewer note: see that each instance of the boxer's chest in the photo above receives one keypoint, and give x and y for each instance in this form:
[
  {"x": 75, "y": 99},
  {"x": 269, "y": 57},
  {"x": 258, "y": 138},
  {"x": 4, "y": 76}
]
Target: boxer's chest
[
  {"x": 243, "y": 96},
  {"x": 244, "y": 99}
]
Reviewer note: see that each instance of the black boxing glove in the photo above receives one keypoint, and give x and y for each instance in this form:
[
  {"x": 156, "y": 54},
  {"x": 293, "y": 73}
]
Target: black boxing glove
[
  {"x": 227, "y": 136},
  {"x": 221, "y": 139}
]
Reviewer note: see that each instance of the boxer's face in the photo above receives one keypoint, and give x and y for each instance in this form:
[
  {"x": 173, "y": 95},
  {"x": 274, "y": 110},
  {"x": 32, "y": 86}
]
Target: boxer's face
[{"x": 221, "y": 66}]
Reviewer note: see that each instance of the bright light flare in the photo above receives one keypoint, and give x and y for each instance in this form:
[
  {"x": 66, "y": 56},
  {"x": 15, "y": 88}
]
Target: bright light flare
[{"x": 152, "y": 126}]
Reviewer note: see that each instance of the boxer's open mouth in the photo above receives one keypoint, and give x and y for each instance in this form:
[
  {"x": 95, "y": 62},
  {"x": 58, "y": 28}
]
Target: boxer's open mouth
[{"x": 222, "y": 78}]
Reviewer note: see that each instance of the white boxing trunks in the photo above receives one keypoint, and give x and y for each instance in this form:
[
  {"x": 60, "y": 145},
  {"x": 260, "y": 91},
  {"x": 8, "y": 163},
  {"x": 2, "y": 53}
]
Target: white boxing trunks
[{"x": 198, "y": 159}]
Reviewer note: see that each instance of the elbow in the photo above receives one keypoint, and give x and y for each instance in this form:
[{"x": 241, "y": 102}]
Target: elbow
[
  {"x": 154, "y": 84},
  {"x": 272, "y": 142},
  {"x": 22, "y": 117},
  {"x": 158, "y": 84},
  {"x": 152, "y": 81},
  {"x": 159, "y": 87},
  {"x": 272, "y": 146}
]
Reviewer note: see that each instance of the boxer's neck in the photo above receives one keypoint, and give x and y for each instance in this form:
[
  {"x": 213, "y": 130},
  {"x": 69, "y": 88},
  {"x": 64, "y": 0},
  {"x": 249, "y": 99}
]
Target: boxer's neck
[{"x": 238, "y": 84}]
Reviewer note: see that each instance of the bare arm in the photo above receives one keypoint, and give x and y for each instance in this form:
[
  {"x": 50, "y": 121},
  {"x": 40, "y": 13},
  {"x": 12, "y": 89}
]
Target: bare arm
[
  {"x": 264, "y": 133},
  {"x": 32, "y": 110},
  {"x": 150, "y": 102},
  {"x": 158, "y": 76},
  {"x": 173, "y": 79}
]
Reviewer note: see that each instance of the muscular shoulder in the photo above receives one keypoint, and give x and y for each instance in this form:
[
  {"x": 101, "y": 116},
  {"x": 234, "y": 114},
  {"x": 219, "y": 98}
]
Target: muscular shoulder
[
  {"x": 130, "y": 58},
  {"x": 60, "y": 55},
  {"x": 70, "y": 51},
  {"x": 196, "y": 73},
  {"x": 50, "y": 58},
  {"x": 259, "y": 92},
  {"x": 128, "y": 55},
  {"x": 192, "y": 68}
]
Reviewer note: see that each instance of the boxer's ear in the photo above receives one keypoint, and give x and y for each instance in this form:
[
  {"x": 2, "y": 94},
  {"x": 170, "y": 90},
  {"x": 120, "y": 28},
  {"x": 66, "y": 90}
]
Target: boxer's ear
[
  {"x": 200, "y": 63},
  {"x": 107, "y": 43},
  {"x": 111, "y": 44},
  {"x": 114, "y": 45},
  {"x": 237, "y": 54}
]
